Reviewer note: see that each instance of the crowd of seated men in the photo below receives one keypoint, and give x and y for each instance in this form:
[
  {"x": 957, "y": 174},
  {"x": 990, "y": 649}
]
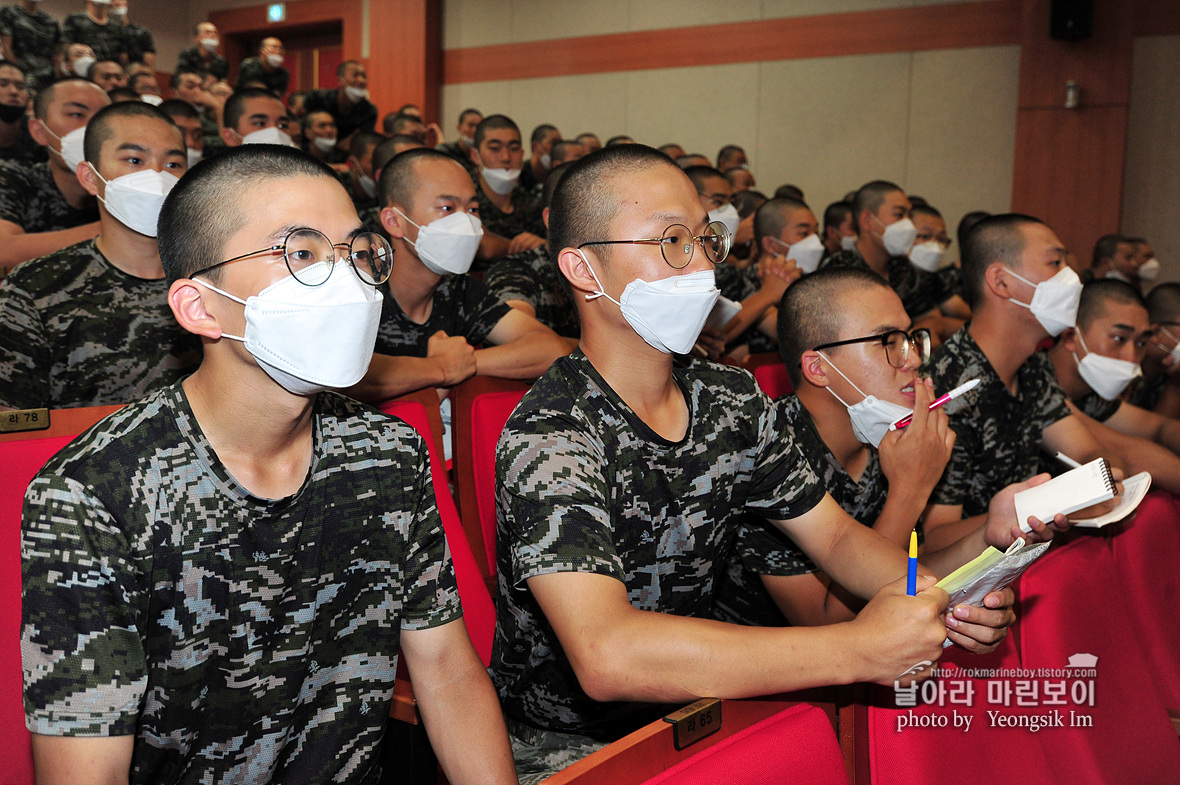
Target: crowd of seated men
[{"x": 219, "y": 579}]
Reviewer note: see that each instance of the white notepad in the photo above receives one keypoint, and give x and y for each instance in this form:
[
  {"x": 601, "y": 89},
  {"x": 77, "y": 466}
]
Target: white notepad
[
  {"x": 1076, "y": 489},
  {"x": 1135, "y": 488}
]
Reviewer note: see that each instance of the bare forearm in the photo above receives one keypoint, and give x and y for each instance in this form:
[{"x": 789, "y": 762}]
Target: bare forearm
[
  {"x": 528, "y": 357},
  {"x": 971, "y": 543},
  {"x": 753, "y": 307},
  {"x": 862, "y": 561},
  {"x": 900, "y": 514},
  {"x": 18, "y": 248},
  {"x": 389, "y": 377},
  {"x": 64, "y": 760},
  {"x": 492, "y": 247}
]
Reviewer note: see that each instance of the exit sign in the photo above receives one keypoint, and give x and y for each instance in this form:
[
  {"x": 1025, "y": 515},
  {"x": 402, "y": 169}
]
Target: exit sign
[{"x": 276, "y": 12}]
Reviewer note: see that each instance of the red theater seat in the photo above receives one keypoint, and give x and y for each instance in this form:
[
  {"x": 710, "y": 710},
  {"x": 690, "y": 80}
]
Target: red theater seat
[{"x": 770, "y": 372}]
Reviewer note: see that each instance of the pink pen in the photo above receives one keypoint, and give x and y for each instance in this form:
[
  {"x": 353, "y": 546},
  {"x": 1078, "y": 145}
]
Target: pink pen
[{"x": 942, "y": 400}]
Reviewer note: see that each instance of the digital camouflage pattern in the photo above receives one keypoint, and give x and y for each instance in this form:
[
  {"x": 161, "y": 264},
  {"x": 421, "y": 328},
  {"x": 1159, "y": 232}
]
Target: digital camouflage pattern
[
  {"x": 534, "y": 279},
  {"x": 106, "y": 40},
  {"x": 31, "y": 199},
  {"x": 920, "y": 292},
  {"x": 77, "y": 331},
  {"x": 139, "y": 41},
  {"x": 525, "y": 217},
  {"x": 738, "y": 283},
  {"x": 998, "y": 434},
  {"x": 1145, "y": 392},
  {"x": 35, "y": 38},
  {"x": 1094, "y": 405},
  {"x": 763, "y": 549},
  {"x": 362, "y": 116},
  {"x": 239, "y": 639},
  {"x": 462, "y": 306},
  {"x": 539, "y": 754},
  {"x": 456, "y": 151},
  {"x": 583, "y": 485},
  {"x": 190, "y": 60},
  {"x": 252, "y": 70}
]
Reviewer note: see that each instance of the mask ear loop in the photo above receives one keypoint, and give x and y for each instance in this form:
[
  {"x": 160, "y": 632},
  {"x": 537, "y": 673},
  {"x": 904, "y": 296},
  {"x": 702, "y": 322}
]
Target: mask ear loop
[
  {"x": 213, "y": 288},
  {"x": 601, "y": 291},
  {"x": 1083, "y": 342},
  {"x": 837, "y": 370}
]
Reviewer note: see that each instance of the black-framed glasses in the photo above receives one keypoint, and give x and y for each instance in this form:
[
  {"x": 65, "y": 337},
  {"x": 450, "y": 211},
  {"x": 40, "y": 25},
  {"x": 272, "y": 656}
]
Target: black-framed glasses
[
  {"x": 677, "y": 244},
  {"x": 311, "y": 257},
  {"x": 898, "y": 345}
]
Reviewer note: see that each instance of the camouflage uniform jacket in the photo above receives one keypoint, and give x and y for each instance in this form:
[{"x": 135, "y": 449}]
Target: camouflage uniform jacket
[
  {"x": 35, "y": 37},
  {"x": 920, "y": 292},
  {"x": 584, "y": 485},
  {"x": 999, "y": 434},
  {"x": 190, "y": 60},
  {"x": 525, "y": 217},
  {"x": 31, "y": 199},
  {"x": 77, "y": 331},
  {"x": 106, "y": 40},
  {"x": 462, "y": 306},
  {"x": 239, "y": 639},
  {"x": 763, "y": 549},
  {"x": 533, "y": 278}
]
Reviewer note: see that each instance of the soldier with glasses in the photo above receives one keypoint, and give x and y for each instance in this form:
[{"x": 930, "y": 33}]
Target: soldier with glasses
[
  {"x": 219, "y": 578},
  {"x": 622, "y": 476}
]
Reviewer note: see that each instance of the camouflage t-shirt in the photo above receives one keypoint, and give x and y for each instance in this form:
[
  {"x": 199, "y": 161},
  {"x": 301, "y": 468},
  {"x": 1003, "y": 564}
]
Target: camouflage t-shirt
[
  {"x": 252, "y": 70},
  {"x": 190, "y": 60},
  {"x": 1094, "y": 405},
  {"x": 999, "y": 434},
  {"x": 920, "y": 292},
  {"x": 25, "y": 148},
  {"x": 457, "y": 152},
  {"x": 77, "y": 331},
  {"x": 525, "y": 217},
  {"x": 139, "y": 41},
  {"x": 361, "y": 117},
  {"x": 35, "y": 38},
  {"x": 106, "y": 40},
  {"x": 533, "y": 278},
  {"x": 31, "y": 199},
  {"x": 763, "y": 549},
  {"x": 462, "y": 306},
  {"x": 1146, "y": 392},
  {"x": 239, "y": 639},
  {"x": 584, "y": 485}
]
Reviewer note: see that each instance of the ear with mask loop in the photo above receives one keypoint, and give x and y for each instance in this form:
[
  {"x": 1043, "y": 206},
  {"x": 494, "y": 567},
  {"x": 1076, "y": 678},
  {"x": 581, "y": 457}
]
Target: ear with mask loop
[
  {"x": 837, "y": 370},
  {"x": 601, "y": 290}
]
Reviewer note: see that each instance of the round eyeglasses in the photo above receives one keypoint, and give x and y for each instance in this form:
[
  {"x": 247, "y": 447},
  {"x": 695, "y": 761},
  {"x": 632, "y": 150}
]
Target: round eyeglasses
[
  {"x": 898, "y": 345},
  {"x": 677, "y": 244},
  {"x": 310, "y": 257}
]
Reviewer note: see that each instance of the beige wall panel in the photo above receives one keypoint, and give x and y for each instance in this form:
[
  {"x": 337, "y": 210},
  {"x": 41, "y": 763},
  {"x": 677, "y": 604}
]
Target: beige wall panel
[
  {"x": 660, "y": 14},
  {"x": 776, "y": 9},
  {"x": 830, "y": 125},
  {"x": 476, "y": 23},
  {"x": 701, "y": 109},
  {"x": 963, "y": 130},
  {"x": 535, "y": 20},
  {"x": 1151, "y": 192},
  {"x": 574, "y": 104}
]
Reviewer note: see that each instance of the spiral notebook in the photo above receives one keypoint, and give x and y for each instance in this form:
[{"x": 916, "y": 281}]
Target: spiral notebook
[{"x": 1078, "y": 488}]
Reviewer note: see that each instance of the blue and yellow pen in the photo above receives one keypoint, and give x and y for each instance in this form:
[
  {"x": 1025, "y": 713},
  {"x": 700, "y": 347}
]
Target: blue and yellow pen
[{"x": 911, "y": 581}]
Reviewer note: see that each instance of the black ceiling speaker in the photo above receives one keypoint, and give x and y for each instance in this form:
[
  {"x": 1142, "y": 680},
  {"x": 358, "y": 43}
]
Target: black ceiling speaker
[{"x": 1071, "y": 20}]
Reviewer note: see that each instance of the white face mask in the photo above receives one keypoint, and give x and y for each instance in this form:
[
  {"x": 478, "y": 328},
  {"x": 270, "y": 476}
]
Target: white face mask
[
  {"x": 135, "y": 199},
  {"x": 194, "y": 157},
  {"x": 210, "y": 44},
  {"x": 547, "y": 161},
  {"x": 502, "y": 181},
  {"x": 898, "y": 236},
  {"x": 1055, "y": 301},
  {"x": 311, "y": 338},
  {"x": 670, "y": 313},
  {"x": 356, "y": 94},
  {"x": 270, "y": 135},
  {"x": 72, "y": 146},
  {"x": 727, "y": 215},
  {"x": 467, "y": 141},
  {"x": 806, "y": 253},
  {"x": 871, "y": 417},
  {"x": 927, "y": 256},
  {"x": 447, "y": 246},
  {"x": 325, "y": 143},
  {"x": 368, "y": 185},
  {"x": 121, "y": 11},
  {"x": 82, "y": 65},
  {"x": 848, "y": 242},
  {"x": 102, "y": 2},
  {"x": 1149, "y": 270},
  {"x": 1106, "y": 376},
  {"x": 274, "y": 61},
  {"x": 151, "y": 98}
]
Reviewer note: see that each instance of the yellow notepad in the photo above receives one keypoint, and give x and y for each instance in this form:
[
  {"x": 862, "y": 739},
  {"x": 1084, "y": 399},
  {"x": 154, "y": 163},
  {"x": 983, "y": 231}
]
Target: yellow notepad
[{"x": 991, "y": 571}]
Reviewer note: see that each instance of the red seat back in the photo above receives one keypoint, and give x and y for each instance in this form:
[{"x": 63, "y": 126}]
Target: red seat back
[
  {"x": 1072, "y": 603},
  {"x": 479, "y": 614},
  {"x": 21, "y": 461},
  {"x": 1146, "y": 553},
  {"x": 795, "y": 745},
  {"x": 489, "y": 415},
  {"x": 773, "y": 380}
]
